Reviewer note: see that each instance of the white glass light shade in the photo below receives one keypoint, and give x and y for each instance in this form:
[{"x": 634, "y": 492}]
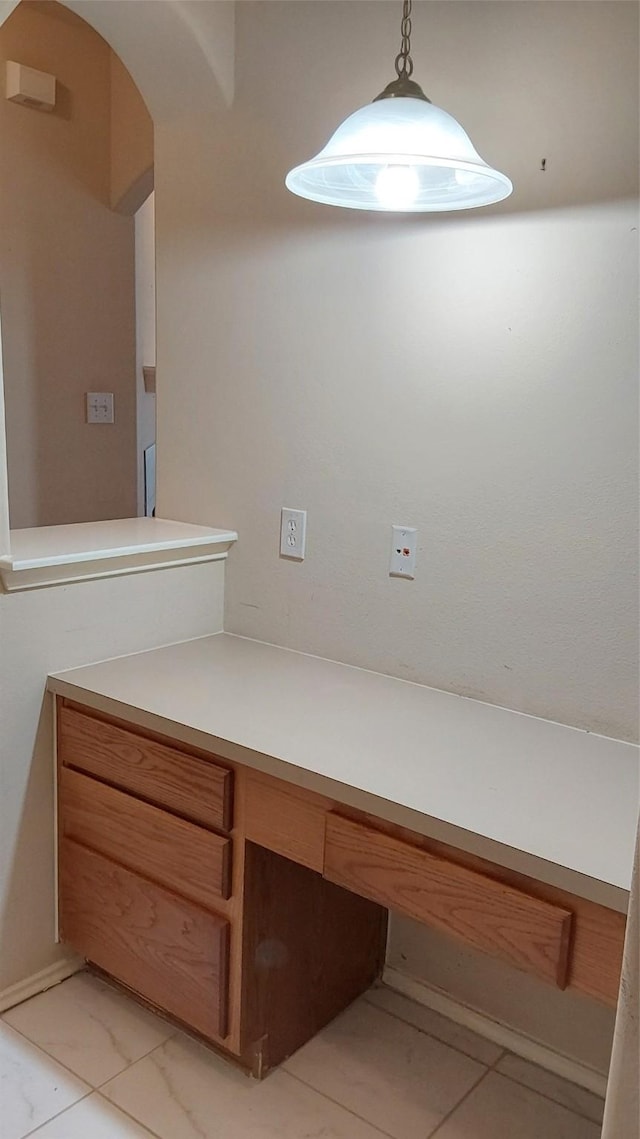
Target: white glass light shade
[{"x": 445, "y": 171}]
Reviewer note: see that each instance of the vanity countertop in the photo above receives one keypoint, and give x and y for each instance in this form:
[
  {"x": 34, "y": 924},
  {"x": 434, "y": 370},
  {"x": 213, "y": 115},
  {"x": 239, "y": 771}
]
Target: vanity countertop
[{"x": 551, "y": 801}]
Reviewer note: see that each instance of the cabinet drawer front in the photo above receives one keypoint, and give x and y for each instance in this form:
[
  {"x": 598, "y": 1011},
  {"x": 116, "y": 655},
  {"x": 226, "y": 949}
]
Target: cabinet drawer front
[
  {"x": 169, "y": 951},
  {"x": 175, "y": 853},
  {"x": 529, "y": 933},
  {"x": 184, "y": 783},
  {"x": 285, "y": 819}
]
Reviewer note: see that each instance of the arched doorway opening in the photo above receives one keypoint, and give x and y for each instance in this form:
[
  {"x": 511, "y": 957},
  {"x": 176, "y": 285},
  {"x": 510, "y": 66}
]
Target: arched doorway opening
[{"x": 180, "y": 56}]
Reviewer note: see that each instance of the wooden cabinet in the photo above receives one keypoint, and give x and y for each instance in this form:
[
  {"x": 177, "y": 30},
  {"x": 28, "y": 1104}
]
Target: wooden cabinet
[
  {"x": 253, "y": 911},
  {"x": 160, "y": 887},
  {"x": 159, "y": 944}
]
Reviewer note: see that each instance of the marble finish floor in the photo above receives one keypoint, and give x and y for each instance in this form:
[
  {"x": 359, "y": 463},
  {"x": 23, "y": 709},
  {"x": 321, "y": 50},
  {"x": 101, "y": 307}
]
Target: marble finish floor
[{"x": 83, "y": 1061}]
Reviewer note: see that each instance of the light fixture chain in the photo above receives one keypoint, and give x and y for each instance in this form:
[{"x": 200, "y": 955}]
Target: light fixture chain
[{"x": 404, "y": 62}]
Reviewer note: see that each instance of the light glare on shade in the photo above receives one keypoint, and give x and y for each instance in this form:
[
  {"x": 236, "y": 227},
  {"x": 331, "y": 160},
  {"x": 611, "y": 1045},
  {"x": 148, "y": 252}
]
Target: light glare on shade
[{"x": 397, "y": 187}]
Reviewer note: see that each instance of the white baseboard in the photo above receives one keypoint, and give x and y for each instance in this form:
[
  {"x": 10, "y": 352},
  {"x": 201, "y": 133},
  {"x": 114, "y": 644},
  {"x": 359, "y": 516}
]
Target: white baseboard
[
  {"x": 39, "y": 982},
  {"x": 494, "y": 1030}
]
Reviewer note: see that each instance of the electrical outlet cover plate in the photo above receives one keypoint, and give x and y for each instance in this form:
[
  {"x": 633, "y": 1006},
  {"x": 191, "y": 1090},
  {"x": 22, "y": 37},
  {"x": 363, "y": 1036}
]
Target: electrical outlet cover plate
[
  {"x": 403, "y": 551},
  {"x": 293, "y": 530}
]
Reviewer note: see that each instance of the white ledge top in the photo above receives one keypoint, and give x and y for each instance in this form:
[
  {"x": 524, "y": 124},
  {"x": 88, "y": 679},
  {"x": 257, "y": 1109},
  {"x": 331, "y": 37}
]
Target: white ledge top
[
  {"x": 49, "y": 555},
  {"x": 551, "y": 801}
]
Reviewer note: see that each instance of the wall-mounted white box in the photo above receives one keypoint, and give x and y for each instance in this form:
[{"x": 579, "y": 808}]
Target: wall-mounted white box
[{"x": 33, "y": 88}]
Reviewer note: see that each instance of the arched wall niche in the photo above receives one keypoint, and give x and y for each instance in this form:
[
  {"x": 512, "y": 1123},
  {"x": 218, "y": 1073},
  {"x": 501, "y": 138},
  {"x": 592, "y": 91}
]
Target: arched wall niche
[{"x": 180, "y": 54}]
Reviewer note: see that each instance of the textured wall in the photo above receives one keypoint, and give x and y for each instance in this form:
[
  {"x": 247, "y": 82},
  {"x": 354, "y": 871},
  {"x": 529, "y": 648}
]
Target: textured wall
[{"x": 473, "y": 375}]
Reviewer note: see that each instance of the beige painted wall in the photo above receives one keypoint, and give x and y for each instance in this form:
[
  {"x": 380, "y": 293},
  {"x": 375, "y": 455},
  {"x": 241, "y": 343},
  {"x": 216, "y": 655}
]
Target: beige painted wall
[
  {"x": 47, "y": 630},
  {"x": 474, "y": 376},
  {"x": 131, "y": 142},
  {"x": 67, "y": 284},
  {"x": 145, "y": 332}
]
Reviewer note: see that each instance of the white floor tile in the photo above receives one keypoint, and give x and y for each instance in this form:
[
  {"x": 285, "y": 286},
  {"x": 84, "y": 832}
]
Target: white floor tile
[
  {"x": 456, "y": 1035},
  {"x": 501, "y": 1109},
  {"x": 92, "y": 1118},
  {"x": 88, "y": 1026},
  {"x": 184, "y": 1091},
  {"x": 33, "y": 1087},
  {"x": 584, "y": 1102},
  {"x": 385, "y": 1071}
]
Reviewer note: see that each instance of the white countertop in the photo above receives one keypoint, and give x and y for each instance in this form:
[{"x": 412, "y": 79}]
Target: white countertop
[
  {"x": 554, "y": 802},
  {"x": 46, "y": 555}
]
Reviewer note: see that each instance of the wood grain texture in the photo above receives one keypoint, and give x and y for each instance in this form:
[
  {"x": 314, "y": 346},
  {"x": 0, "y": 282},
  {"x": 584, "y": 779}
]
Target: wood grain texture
[
  {"x": 173, "y": 953},
  {"x": 196, "y": 788},
  {"x": 309, "y": 949},
  {"x": 597, "y": 941},
  {"x": 285, "y": 819},
  {"x": 530, "y": 934},
  {"x": 168, "y": 850}
]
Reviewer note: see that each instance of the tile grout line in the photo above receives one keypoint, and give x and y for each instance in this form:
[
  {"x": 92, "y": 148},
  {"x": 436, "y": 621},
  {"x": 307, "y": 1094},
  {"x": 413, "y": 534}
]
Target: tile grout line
[
  {"x": 505, "y": 1052},
  {"x": 425, "y": 1032},
  {"x": 494, "y": 1065},
  {"x": 56, "y": 1116},
  {"x": 173, "y": 1032},
  {"x": 499, "y": 1059},
  {"x": 335, "y": 1102},
  {"x": 550, "y": 1098},
  {"x": 48, "y": 1056},
  {"x": 110, "y": 1103},
  {"x": 132, "y": 1063},
  {"x": 460, "y": 1102},
  {"x": 128, "y": 1114},
  {"x": 62, "y": 1064}
]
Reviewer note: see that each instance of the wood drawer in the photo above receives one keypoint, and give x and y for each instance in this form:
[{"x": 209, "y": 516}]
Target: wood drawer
[
  {"x": 169, "y": 850},
  {"x": 285, "y": 819},
  {"x": 193, "y": 786},
  {"x": 187, "y": 784},
  {"x": 171, "y": 952},
  {"x": 531, "y": 934}
]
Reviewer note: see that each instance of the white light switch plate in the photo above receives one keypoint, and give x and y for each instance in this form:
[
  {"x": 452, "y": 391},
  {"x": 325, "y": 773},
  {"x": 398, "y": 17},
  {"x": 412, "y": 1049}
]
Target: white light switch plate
[
  {"x": 293, "y": 531},
  {"x": 99, "y": 407},
  {"x": 403, "y": 551}
]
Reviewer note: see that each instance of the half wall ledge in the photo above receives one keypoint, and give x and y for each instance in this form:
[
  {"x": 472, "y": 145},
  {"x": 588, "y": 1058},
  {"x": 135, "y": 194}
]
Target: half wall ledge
[{"x": 55, "y": 555}]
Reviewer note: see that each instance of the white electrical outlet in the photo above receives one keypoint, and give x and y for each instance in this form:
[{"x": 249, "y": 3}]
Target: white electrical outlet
[
  {"x": 99, "y": 407},
  {"x": 403, "y": 551},
  {"x": 293, "y": 529}
]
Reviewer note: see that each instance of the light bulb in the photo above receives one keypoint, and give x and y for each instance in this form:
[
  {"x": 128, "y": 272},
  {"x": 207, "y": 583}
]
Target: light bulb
[{"x": 397, "y": 187}]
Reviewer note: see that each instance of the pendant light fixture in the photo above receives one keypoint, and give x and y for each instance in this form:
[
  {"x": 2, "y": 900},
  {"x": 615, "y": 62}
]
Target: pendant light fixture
[{"x": 400, "y": 153}]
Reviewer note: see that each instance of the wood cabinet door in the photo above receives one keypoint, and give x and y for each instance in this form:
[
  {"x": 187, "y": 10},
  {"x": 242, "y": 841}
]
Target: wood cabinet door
[{"x": 172, "y": 952}]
